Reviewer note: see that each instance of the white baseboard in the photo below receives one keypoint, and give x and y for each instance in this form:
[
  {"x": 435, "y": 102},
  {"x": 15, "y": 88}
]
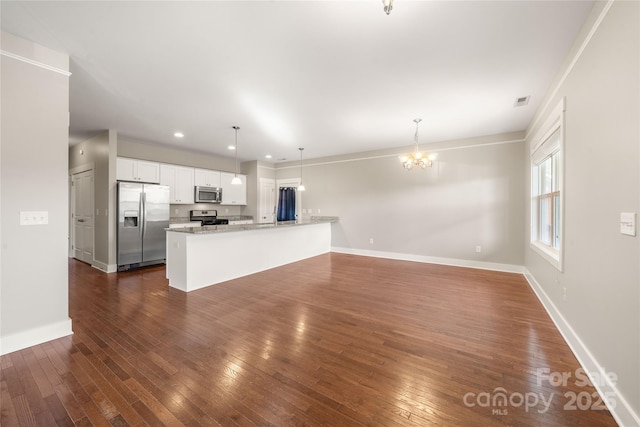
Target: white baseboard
[
  {"x": 622, "y": 412},
  {"x": 107, "y": 268},
  {"x": 482, "y": 265},
  {"x": 35, "y": 336}
]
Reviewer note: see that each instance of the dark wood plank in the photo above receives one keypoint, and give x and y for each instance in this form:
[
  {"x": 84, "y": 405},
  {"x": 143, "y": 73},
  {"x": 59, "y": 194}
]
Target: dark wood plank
[{"x": 332, "y": 340}]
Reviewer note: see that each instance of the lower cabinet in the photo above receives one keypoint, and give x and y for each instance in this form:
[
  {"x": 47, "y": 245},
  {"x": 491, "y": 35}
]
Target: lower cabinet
[{"x": 241, "y": 222}]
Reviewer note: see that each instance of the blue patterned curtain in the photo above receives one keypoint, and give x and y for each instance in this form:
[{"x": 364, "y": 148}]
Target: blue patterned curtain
[{"x": 287, "y": 204}]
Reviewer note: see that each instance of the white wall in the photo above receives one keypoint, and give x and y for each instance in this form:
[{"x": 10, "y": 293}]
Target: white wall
[
  {"x": 601, "y": 275},
  {"x": 34, "y": 138},
  {"x": 472, "y": 196}
]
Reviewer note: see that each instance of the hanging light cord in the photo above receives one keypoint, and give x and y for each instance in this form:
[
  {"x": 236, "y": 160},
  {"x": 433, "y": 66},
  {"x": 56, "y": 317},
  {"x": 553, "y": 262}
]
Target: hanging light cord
[
  {"x": 301, "y": 186},
  {"x": 236, "y": 150},
  {"x": 416, "y": 136}
]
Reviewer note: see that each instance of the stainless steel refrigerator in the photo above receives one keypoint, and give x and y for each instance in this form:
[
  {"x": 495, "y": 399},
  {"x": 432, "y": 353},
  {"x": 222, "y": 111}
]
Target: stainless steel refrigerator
[{"x": 143, "y": 215}]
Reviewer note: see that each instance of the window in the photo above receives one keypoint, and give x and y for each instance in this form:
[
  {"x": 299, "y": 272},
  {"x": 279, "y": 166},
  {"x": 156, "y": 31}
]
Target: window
[{"x": 546, "y": 189}]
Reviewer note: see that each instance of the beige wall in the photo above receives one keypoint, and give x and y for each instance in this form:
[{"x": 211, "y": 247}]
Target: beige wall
[
  {"x": 33, "y": 169},
  {"x": 136, "y": 149},
  {"x": 602, "y": 179},
  {"x": 472, "y": 196},
  {"x": 95, "y": 152}
]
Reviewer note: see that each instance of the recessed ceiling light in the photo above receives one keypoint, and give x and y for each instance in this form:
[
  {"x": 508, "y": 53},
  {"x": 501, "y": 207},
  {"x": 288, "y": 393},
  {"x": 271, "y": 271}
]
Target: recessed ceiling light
[
  {"x": 231, "y": 147},
  {"x": 268, "y": 156},
  {"x": 179, "y": 135}
]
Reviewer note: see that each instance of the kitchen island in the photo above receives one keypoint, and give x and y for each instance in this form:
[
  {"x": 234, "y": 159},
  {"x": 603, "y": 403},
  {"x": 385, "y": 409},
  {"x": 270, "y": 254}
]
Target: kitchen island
[{"x": 202, "y": 256}]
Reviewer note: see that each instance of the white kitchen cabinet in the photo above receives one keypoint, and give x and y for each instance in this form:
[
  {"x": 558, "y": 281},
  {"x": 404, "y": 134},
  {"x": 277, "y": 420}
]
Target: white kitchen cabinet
[
  {"x": 206, "y": 178},
  {"x": 233, "y": 194},
  {"x": 186, "y": 224},
  {"x": 137, "y": 170},
  {"x": 180, "y": 182},
  {"x": 240, "y": 221}
]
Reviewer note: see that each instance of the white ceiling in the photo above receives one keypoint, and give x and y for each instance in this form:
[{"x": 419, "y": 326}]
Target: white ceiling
[{"x": 333, "y": 77}]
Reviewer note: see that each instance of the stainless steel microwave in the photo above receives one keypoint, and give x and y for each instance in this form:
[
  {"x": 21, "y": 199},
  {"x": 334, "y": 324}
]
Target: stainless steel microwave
[{"x": 208, "y": 195}]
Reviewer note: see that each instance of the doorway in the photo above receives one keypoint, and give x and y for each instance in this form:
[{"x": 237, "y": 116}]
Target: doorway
[
  {"x": 296, "y": 199},
  {"x": 267, "y": 208},
  {"x": 82, "y": 223}
]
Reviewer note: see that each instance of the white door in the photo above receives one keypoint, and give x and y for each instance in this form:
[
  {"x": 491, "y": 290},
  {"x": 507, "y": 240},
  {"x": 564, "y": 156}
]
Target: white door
[
  {"x": 82, "y": 215},
  {"x": 267, "y": 200}
]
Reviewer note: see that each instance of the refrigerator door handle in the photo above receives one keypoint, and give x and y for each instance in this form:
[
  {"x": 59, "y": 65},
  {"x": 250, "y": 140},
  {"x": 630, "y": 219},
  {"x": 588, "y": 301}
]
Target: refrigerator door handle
[
  {"x": 144, "y": 218},
  {"x": 142, "y": 215}
]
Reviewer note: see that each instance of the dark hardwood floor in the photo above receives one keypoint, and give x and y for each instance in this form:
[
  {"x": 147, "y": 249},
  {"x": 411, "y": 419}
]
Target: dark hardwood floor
[{"x": 336, "y": 340}]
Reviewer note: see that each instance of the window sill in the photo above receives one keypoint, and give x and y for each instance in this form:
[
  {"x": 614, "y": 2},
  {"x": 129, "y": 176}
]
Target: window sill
[{"x": 549, "y": 255}]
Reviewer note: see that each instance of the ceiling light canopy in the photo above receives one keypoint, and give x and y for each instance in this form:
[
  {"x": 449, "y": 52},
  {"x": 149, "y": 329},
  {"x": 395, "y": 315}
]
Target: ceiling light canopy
[
  {"x": 417, "y": 158},
  {"x": 236, "y": 179},
  {"x": 387, "y": 6},
  {"x": 179, "y": 135}
]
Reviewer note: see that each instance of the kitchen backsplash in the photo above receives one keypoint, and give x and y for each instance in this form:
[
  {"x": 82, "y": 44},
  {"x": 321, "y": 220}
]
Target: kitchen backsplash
[{"x": 223, "y": 210}]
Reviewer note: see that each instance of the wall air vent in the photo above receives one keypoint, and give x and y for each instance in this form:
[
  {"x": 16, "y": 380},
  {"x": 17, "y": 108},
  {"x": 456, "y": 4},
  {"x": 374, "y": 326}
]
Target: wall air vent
[{"x": 521, "y": 101}]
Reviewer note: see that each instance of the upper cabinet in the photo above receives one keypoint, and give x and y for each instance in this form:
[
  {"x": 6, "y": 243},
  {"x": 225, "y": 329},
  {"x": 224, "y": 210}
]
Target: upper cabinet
[
  {"x": 180, "y": 182},
  {"x": 137, "y": 170},
  {"x": 233, "y": 194},
  {"x": 207, "y": 178}
]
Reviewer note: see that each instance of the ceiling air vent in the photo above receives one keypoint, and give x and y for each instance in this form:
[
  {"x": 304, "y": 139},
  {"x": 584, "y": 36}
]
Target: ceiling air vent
[{"x": 521, "y": 101}]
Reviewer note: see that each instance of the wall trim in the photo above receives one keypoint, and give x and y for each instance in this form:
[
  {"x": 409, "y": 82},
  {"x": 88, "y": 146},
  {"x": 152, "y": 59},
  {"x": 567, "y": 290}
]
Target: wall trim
[
  {"x": 35, "y": 336},
  {"x": 569, "y": 68},
  {"x": 82, "y": 168},
  {"x": 106, "y": 268},
  {"x": 36, "y": 63},
  {"x": 382, "y": 156},
  {"x": 482, "y": 265},
  {"x": 623, "y": 413}
]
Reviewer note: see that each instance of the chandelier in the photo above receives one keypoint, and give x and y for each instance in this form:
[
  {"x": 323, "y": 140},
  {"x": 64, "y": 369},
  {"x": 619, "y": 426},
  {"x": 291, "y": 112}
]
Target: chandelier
[{"x": 417, "y": 158}]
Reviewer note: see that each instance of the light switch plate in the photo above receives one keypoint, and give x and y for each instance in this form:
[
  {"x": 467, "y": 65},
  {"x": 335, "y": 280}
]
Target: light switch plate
[
  {"x": 628, "y": 223},
  {"x": 34, "y": 217}
]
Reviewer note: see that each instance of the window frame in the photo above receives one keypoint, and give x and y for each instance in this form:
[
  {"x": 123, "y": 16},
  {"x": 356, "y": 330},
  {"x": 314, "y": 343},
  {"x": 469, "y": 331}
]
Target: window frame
[{"x": 549, "y": 142}]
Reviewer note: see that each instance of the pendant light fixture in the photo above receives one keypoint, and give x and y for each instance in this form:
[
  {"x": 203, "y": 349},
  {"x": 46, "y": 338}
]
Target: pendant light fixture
[
  {"x": 236, "y": 179},
  {"x": 301, "y": 186},
  {"x": 417, "y": 158}
]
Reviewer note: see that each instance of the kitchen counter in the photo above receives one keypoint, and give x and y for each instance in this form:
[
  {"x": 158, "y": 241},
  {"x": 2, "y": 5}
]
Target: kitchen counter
[
  {"x": 208, "y": 229},
  {"x": 203, "y": 256}
]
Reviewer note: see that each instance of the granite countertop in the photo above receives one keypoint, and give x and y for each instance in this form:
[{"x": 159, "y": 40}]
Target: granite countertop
[{"x": 208, "y": 229}]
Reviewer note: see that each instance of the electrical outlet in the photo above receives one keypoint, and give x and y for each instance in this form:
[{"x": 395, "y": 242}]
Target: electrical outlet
[
  {"x": 628, "y": 223},
  {"x": 371, "y": 241},
  {"x": 564, "y": 294},
  {"x": 478, "y": 249}
]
